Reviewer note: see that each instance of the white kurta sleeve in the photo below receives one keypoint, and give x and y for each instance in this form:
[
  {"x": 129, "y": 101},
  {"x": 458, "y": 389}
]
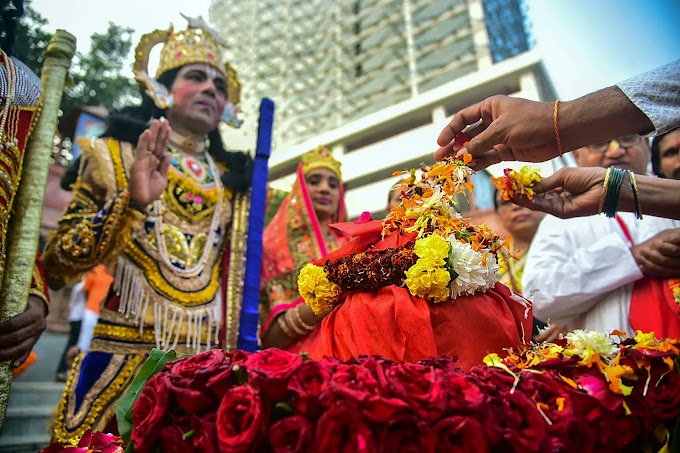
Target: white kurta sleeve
[{"x": 565, "y": 277}]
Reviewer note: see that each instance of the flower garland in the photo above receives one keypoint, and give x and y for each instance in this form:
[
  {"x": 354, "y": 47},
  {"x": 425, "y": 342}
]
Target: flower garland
[
  {"x": 515, "y": 183},
  {"x": 450, "y": 257}
]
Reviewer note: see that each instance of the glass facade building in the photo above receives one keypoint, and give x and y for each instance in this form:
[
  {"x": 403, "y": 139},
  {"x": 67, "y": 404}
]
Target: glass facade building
[{"x": 328, "y": 62}]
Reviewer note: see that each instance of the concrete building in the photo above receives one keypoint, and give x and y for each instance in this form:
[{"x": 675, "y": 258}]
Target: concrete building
[{"x": 375, "y": 80}]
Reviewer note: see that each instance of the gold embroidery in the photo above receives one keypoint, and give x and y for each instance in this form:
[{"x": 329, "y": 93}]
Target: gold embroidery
[
  {"x": 161, "y": 283},
  {"x": 70, "y": 426}
]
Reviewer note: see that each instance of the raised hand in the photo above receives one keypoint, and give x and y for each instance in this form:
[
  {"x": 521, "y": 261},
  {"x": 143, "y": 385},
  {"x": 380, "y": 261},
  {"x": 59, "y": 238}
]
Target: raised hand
[
  {"x": 149, "y": 172},
  {"x": 570, "y": 192}
]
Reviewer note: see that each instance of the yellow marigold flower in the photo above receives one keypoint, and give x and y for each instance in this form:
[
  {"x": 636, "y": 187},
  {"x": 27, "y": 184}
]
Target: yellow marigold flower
[
  {"x": 644, "y": 340},
  {"x": 514, "y": 183},
  {"x": 427, "y": 280},
  {"x": 434, "y": 247},
  {"x": 315, "y": 288}
]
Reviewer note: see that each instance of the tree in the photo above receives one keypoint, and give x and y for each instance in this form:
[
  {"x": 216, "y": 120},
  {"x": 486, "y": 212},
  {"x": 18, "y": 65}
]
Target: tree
[
  {"x": 96, "y": 78},
  {"x": 31, "y": 39}
]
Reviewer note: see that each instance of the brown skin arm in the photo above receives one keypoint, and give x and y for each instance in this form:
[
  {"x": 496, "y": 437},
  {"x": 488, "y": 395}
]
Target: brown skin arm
[
  {"x": 576, "y": 192},
  {"x": 514, "y": 129},
  {"x": 274, "y": 337}
]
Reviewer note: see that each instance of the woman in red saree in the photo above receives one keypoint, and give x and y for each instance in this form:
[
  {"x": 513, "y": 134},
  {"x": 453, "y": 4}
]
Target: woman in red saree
[{"x": 298, "y": 234}]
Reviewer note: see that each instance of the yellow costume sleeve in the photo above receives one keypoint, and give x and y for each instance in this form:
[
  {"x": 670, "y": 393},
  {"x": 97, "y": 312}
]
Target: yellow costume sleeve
[{"x": 99, "y": 222}]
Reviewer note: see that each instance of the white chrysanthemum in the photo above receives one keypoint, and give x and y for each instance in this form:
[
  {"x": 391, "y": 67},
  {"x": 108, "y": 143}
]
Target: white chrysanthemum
[
  {"x": 473, "y": 275},
  {"x": 586, "y": 344}
]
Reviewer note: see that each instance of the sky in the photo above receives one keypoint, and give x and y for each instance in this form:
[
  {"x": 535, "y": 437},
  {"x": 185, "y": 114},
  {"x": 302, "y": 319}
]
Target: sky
[{"x": 586, "y": 44}]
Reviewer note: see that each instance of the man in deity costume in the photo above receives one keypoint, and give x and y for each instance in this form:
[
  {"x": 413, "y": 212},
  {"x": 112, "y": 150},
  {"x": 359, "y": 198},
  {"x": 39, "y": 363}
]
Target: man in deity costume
[
  {"x": 153, "y": 198},
  {"x": 299, "y": 233},
  {"x": 607, "y": 273},
  {"x": 421, "y": 283},
  {"x": 19, "y": 105}
]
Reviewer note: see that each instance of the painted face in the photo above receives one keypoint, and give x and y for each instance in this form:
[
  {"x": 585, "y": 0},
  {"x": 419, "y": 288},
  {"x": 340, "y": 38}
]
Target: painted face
[
  {"x": 669, "y": 155},
  {"x": 518, "y": 221},
  {"x": 324, "y": 191},
  {"x": 200, "y": 94},
  {"x": 630, "y": 153}
]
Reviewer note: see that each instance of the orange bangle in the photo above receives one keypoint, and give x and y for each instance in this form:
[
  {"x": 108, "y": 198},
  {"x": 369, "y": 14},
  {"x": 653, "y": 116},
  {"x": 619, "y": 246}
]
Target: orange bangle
[{"x": 557, "y": 130}]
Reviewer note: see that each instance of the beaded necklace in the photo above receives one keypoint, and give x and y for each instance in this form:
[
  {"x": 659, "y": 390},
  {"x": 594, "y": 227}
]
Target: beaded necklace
[{"x": 214, "y": 227}]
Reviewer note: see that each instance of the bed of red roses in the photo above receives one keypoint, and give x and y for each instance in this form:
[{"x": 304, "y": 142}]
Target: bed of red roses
[{"x": 541, "y": 398}]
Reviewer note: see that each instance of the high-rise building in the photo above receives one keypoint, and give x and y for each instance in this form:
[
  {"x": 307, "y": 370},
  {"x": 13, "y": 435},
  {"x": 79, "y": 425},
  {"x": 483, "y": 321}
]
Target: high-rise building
[
  {"x": 328, "y": 62},
  {"x": 374, "y": 79}
]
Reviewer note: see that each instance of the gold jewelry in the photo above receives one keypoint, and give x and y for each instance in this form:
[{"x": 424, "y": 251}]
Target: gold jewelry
[
  {"x": 300, "y": 322},
  {"x": 321, "y": 157},
  {"x": 557, "y": 130},
  {"x": 293, "y": 324},
  {"x": 604, "y": 189},
  {"x": 188, "y": 144},
  {"x": 636, "y": 195},
  {"x": 286, "y": 329}
]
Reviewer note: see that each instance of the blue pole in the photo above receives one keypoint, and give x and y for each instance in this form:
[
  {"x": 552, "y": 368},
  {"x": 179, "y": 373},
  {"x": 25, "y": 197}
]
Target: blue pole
[{"x": 250, "y": 313}]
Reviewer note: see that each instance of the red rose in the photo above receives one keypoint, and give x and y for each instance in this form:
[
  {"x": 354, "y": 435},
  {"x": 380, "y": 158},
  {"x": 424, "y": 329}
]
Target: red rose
[
  {"x": 405, "y": 435},
  {"x": 290, "y": 435},
  {"x": 205, "y": 433},
  {"x": 356, "y": 383},
  {"x": 663, "y": 394},
  {"x": 241, "y": 420},
  {"x": 189, "y": 376},
  {"x": 221, "y": 381},
  {"x": 441, "y": 362},
  {"x": 458, "y": 434},
  {"x": 464, "y": 397},
  {"x": 308, "y": 383},
  {"x": 176, "y": 437},
  {"x": 148, "y": 413},
  {"x": 342, "y": 428},
  {"x": 270, "y": 369},
  {"x": 513, "y": 422},
  {"x": 420, "y": 387},
  {"x": 567, "y": 430}
]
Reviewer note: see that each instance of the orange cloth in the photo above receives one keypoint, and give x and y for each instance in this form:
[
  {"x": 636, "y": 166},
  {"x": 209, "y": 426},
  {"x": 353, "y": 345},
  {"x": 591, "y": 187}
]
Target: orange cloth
[
  {"x": 32, "y": 357},
  {"x": 393, "y": 323},
  {"x": 97, "y": 284}
]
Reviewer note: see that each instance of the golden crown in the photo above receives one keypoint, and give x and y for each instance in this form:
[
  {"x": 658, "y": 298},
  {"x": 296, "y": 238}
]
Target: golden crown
[
  {"x": 199, "y": 43},
  {"x": 321, "y": 157}
]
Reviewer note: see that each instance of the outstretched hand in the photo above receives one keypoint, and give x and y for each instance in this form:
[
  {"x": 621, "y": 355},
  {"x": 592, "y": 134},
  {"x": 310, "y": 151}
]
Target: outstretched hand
[
  {"x": 570, "y": 192},
  {"x": 149, "y": 172},
  {"x": 502, "y": 128}
]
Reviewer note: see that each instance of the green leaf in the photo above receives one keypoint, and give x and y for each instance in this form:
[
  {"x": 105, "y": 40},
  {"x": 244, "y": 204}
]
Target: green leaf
[
  {"x": 188, "y": 435},
  {"x": 156, "y": 361}
]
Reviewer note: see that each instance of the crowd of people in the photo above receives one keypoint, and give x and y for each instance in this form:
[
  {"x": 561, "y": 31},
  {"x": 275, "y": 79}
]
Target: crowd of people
[{"x": 147, "y": 232}]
